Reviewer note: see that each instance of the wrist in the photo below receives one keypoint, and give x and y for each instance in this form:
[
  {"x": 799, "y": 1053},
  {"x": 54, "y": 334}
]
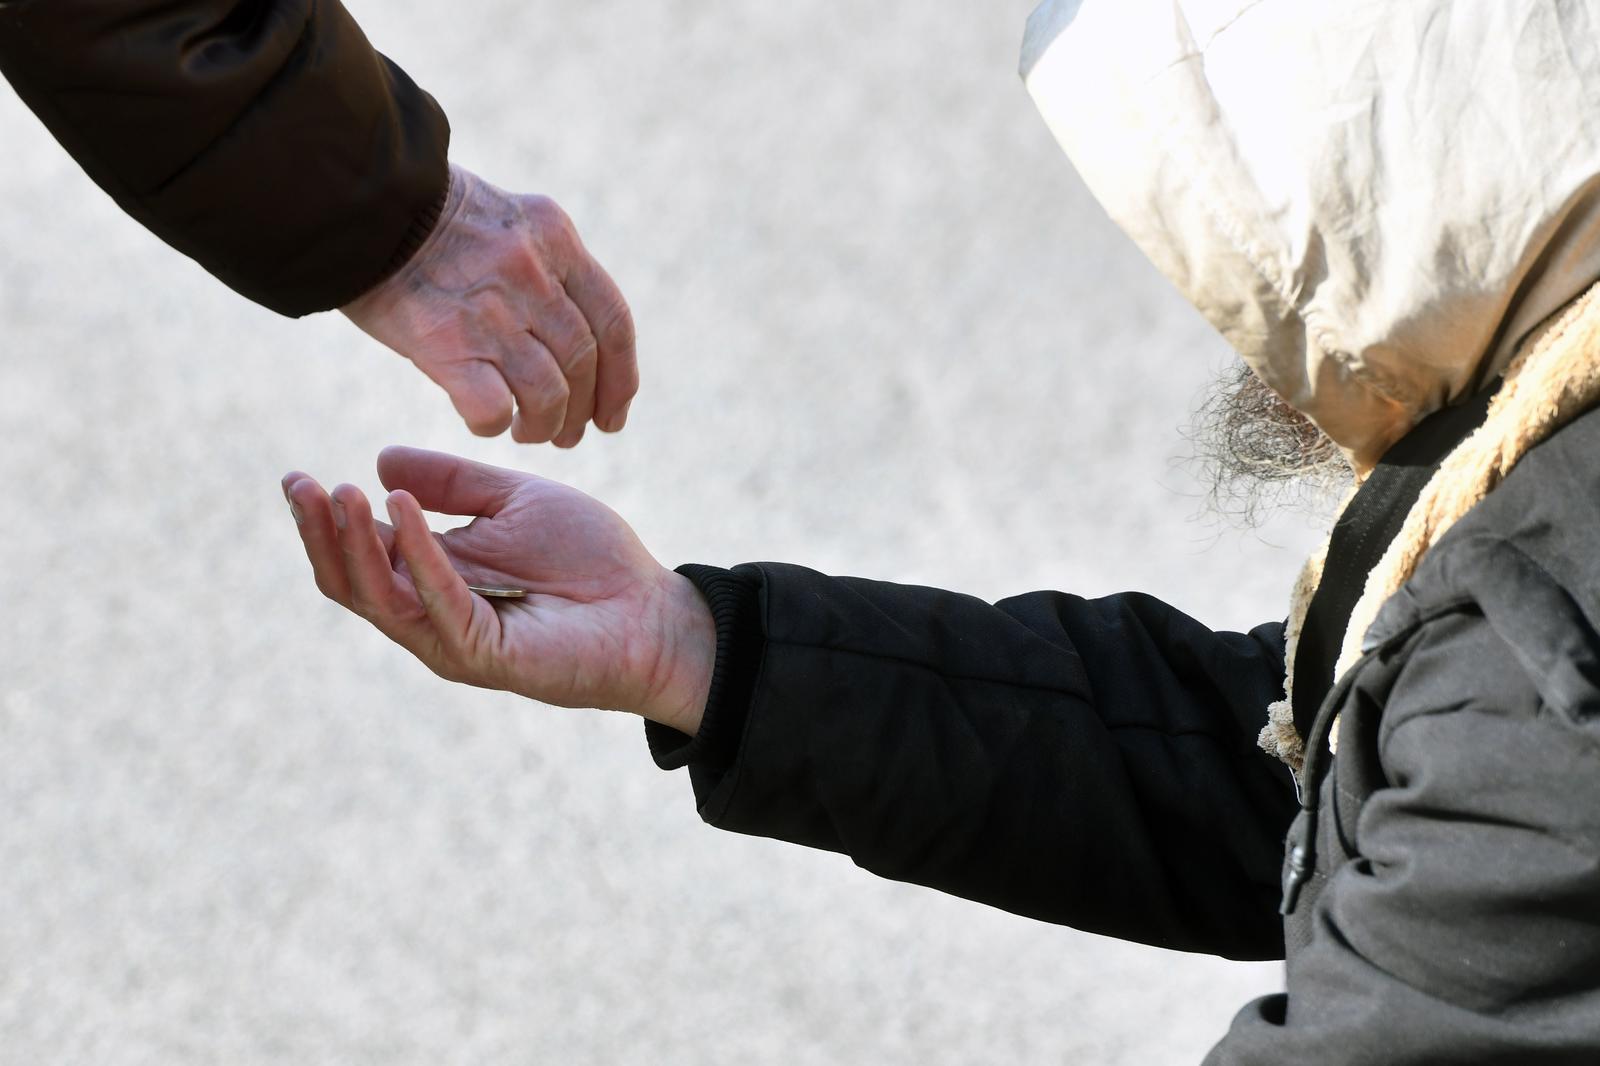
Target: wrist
[
  {"x": 458, "y": 182},
  {"x": 686, "y": 653}
]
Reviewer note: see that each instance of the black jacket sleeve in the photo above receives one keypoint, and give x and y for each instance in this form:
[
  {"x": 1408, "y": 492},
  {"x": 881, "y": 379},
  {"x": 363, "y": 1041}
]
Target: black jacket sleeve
[
  {"x": 264, "y": 138},
  {"x": 1086, "y": 762}
]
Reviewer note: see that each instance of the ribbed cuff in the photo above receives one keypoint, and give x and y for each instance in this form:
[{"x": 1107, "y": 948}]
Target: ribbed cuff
[
  {"x": 416, "y": 235},
  {"x": 735, "y": 602}
]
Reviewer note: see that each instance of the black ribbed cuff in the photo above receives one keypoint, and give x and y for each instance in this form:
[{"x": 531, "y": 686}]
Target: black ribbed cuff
[
  {"x": 735, "y": 602},
  {"x": 416, "y": 235}
]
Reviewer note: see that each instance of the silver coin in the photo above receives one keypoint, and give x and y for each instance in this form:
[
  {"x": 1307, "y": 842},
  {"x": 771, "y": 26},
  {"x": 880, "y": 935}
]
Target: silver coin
[{"x": 498, "y": 593}]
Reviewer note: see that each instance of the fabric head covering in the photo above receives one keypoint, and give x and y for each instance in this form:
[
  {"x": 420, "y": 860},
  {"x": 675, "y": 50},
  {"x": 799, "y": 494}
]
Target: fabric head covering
[{"x": 1374, "y": 202}]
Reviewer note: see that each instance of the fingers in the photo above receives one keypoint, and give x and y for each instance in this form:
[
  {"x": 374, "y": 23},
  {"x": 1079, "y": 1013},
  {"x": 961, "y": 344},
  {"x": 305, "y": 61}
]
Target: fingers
[
  {"x": 351, "y": 559},
  {"x": 480, "y": 392},
  {"x": 317, "y": 517},
  {"x": 445, "y": 597},
  {"x": 314, "y": 517},
  {"x": 377, "y": 593},
  {"x": 541, "y": 389},
  {"x": 567, "y": 336},
  {"x": 574, "y": 319},
  {"x": 446, "y": 483},
  {"x": 505, "y": 308},
  {"x": 427, "y": 608},
  {"x": 611, "y": 324}
]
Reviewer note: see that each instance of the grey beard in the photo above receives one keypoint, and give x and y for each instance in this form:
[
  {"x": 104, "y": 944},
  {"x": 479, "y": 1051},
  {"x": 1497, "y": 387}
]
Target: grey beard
[{"x": 1257, "y": 454}]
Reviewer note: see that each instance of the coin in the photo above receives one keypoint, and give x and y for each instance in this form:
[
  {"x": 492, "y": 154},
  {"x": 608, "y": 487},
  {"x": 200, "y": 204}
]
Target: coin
[{"x": 498, "y": 593}]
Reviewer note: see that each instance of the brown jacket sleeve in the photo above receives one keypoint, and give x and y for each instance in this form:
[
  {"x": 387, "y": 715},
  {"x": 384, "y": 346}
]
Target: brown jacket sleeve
[{"x": 264, "y": 138}]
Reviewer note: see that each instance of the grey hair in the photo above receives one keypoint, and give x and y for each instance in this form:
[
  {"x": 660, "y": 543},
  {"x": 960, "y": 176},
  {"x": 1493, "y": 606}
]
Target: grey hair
[{"x": 1256, "y": 453}]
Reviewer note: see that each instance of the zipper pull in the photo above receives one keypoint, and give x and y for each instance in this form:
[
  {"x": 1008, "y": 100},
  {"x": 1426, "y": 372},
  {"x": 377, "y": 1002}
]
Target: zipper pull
[{"x": 1295, "y": 872}]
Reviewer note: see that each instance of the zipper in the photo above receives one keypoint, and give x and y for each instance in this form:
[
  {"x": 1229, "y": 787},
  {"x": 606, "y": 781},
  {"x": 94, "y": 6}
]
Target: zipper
[{"x": 1302, "y": 841}]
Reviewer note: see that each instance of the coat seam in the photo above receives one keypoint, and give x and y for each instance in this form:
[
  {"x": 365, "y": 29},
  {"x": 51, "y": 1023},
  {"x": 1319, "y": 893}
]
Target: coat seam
[
  {"x": 931, "y": 669},
  {"x": 1086, "y": 696}
]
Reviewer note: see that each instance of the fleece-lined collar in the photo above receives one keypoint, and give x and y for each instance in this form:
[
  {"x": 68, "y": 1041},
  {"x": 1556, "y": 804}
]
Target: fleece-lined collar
[{"x": 1553, "y": 378}]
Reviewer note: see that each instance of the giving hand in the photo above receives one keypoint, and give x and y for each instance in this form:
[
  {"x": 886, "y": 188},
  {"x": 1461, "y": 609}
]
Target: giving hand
[
  {"x": 603, "y": 624},
  {"x": 502, "y": 304}
]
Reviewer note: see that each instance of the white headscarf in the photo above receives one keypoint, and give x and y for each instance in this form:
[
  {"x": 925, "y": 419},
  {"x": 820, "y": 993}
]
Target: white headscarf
[{"x": 1373, "y": 200}]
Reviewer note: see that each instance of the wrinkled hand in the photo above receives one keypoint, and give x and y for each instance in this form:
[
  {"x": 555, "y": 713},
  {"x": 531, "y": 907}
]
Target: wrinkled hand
[
  {"x": 603, "y": 625},
  {"x": 503, "y": 304}
]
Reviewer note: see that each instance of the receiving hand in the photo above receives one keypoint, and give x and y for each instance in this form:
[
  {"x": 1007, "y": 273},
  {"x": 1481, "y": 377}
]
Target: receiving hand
[
  {"x": 502, "y": 304},
  {"x": 603, "y": 624}
]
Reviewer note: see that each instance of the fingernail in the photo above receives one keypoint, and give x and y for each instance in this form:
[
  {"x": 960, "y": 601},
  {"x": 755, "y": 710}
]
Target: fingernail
[
  {"x": 299, "y": 515},
  {"x": 338, "y": 514}
]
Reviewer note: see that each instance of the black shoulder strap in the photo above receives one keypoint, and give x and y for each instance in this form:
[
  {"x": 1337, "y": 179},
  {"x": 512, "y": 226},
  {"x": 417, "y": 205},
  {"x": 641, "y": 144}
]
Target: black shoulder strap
[{"x": 1361, "y": 536}]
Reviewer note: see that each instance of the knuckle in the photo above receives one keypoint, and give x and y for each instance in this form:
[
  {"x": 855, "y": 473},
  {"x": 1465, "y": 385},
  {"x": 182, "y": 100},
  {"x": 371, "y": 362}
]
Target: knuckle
[
  {"x": 545, "y": 216},
  {"x": 541, "y": 421},
  {"x": 582, "y": 352},
  {"x": 580, "y": 399},
  {"x": 529, "y": 261},
  {"x": 429, "y": 602},
  {"x": 549, "y": 420},
  {"x": 617, "y": 326},
  {"x": 549, "y": 382},
  {"x": 556, "y": 397}
]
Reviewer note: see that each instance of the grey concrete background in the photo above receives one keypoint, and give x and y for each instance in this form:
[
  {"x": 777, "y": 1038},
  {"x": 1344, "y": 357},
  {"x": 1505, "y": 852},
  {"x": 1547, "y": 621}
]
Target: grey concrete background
[{"x": 884, "y": 331}]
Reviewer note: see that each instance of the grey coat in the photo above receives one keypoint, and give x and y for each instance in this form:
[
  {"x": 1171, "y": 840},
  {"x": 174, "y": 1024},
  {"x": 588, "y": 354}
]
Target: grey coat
[
  {"x": 1092, "y": 763},
  {"x": 1452, "y": 914}
]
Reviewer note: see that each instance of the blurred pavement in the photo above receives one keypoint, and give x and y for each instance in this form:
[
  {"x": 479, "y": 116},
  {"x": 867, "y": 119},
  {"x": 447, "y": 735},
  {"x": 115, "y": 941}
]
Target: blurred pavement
[{"x": 884, "y": 331}]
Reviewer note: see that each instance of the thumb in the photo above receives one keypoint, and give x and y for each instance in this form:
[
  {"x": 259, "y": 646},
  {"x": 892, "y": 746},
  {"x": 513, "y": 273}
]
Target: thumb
[
  {"x": 448, "y": 483},
  {"x": 479, "y": 392}
]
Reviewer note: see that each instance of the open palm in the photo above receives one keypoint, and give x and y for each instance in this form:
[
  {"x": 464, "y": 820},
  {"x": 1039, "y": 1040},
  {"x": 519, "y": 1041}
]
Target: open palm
[{"x": 603, "y": 624}]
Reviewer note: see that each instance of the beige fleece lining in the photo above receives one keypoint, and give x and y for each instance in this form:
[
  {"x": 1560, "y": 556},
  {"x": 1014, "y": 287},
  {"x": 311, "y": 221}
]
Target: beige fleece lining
[
  {"x": 1554, "y": 377},
  {"x": 1279, "y": 736}
]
